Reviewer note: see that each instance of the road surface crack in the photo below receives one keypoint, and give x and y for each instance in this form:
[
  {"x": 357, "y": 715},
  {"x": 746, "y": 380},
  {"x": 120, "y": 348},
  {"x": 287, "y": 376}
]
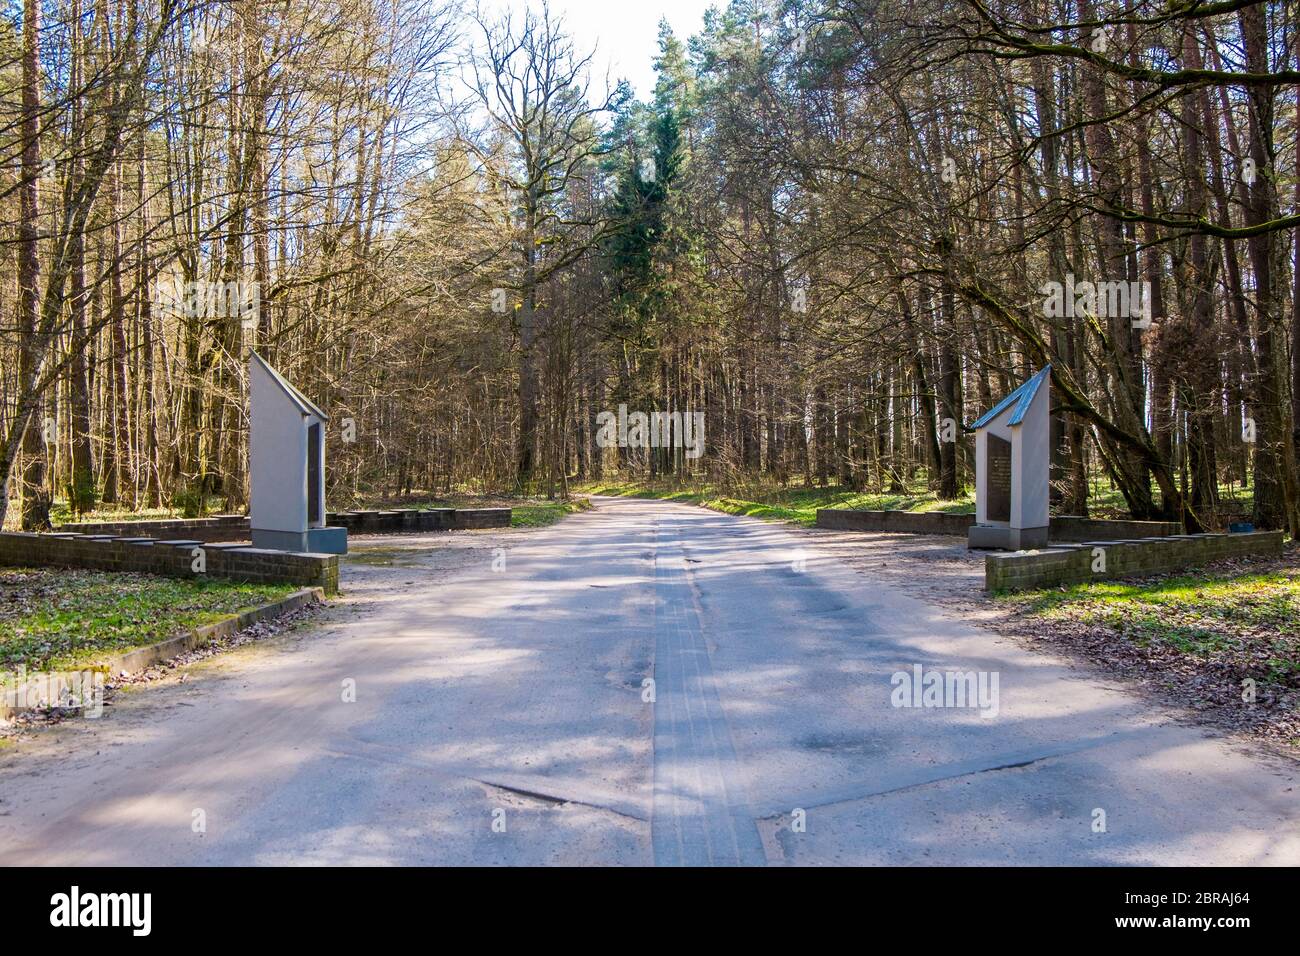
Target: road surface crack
[
  {"x": 557, "y": 799},
  {"x": 852, "y": 793}
]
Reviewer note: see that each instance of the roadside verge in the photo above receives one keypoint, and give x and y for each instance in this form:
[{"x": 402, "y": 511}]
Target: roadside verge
[{"x": 23, "y": 693}]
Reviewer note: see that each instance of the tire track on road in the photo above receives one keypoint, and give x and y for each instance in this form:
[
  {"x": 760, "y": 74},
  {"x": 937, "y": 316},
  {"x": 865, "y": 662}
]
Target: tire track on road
[{"x": 700, "y": 815}]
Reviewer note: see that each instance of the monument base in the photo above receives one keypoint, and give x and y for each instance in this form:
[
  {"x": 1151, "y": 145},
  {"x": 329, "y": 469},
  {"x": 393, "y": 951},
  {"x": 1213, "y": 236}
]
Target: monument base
[
  {"x": 312, "y": 541},
  {"x": 1005, "y": 538},
  {"x": 327, "y": 540}
]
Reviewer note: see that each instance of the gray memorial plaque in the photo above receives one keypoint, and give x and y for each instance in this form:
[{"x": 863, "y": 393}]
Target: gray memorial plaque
[{"x": 998, "y": 476}]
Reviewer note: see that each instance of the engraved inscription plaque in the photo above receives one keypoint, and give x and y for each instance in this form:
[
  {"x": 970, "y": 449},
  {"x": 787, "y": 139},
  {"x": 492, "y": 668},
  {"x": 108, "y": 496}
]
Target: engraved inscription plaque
[{"x": 997, "y": 479}]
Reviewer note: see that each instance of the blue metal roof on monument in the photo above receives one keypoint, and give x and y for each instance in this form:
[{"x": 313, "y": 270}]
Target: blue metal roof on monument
[{"x": 1022, "y": 396}]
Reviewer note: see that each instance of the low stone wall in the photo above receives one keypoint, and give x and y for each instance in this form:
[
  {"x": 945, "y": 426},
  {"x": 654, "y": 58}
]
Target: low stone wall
[
  {"x": 906, "y": 522},
  {"x": 172, "y": 558},
  {"x": 1063, "y": 527},
  {"x": 468, "y": 519},
  {"x": 1074, "y": 528},
  {"x": 1075, "y": 563},
  {"x": 236, "y": 527},
  {"x": 215, "y": 528},
  {"x": 420, "y": 519}
]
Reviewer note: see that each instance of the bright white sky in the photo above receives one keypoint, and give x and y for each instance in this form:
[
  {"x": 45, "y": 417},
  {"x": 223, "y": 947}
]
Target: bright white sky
[{"x": 625, "y": 33}]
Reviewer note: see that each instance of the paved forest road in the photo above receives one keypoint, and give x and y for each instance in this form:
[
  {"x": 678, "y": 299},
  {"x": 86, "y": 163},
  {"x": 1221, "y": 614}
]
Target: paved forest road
[{"x": 514, "y": 696}]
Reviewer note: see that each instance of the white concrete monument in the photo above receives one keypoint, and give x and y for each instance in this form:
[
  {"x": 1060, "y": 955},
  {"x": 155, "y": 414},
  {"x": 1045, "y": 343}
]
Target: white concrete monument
[
  {"x": 286, "y": 461},
  {"x": 1013, "y": 442}
]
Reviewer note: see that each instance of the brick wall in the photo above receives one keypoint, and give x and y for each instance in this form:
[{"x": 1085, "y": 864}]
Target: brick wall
[
  {"x": 1073, "y": 563},
  {"x": 173, "y": 558}
]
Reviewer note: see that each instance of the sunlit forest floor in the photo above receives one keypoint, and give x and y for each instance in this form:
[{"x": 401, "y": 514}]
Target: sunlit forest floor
[
  {"x": 796, "y": 504},
  {"x": 799, "y": 504}
]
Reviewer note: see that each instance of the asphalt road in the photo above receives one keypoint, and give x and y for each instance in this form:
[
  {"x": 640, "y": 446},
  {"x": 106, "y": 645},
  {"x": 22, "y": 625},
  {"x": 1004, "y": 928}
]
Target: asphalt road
[{"x": 644, "y": 684}]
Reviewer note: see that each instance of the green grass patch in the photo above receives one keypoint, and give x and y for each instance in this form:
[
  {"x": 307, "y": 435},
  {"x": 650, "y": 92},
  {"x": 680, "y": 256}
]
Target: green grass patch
[
  {"x": 58, "y": 619},
  {"x": 1201, "y": 614},
  {"x": 539, "y": 514},
  {"x": 798, "y": 505}
]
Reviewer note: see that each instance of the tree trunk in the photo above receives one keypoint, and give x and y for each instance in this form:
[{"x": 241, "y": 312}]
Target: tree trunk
[{"x": 35, "y": 498}]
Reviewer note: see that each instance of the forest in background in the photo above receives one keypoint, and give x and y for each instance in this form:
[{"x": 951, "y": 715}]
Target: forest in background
[{"x": 832, "y": 229}]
